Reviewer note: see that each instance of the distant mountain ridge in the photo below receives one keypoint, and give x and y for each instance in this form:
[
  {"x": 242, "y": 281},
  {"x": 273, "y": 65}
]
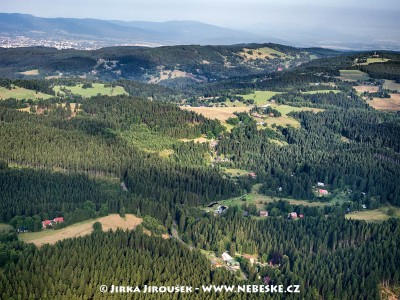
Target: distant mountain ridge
[{"x": 158, "y": 33}]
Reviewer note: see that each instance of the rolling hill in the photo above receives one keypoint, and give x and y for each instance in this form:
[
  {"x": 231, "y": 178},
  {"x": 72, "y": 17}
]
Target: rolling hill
[{"x": 120, "y": 32}]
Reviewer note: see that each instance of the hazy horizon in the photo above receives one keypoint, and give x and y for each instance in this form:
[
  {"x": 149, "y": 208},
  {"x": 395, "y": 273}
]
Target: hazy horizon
[{"x": 337, "y": 21}]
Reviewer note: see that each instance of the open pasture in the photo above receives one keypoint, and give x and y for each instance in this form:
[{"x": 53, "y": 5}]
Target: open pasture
[
  {"x": 21, "y": 93},
  {"x": 391, "y": 85},
  {"x": 375, "y": 215},
  {"x": 353, "y": 75},
  {"x": 98, "y": 88},
  {"x": 50, "y": 236},
  {"x": 219, "y": 113},
  {"x": 366, "y": 88},
  {"x": 387, "y": 104}
]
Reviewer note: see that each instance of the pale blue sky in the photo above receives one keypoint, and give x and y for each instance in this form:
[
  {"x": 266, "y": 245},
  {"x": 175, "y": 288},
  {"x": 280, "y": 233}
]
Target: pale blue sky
[{"x": 367, "y": 17}]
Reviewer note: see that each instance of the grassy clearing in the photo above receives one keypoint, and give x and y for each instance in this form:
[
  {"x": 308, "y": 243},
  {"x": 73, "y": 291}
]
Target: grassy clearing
[
  {"x": 285, "y": 109},
  {"x": 98, "y": 88},
  {"x": 278, "y": 142},
  {"x": 197, "y": 140},
  {"x": 286, "y": 120},
  {"x": 353, "y": 75},
  {"x": 21, "y": 93},
  {"x": 366, "y": 88},
  {"x": 169, "y": 74},
  {"x": 228, "y": 103},
  {"x": 391, "y": 85},
  {"x": 261, "y": 200},
  {"x": 50, "y": 236},
  {"x": 389, "y": 292},
  {"x": 219, "y": 113},
  {"x": 371, "y": 60},
  {"x": 387, "y": 104},
  {"x": 262, "y": 53},
  {"x": 235, "y": 172},
  {"x": 375, "y": 215},
  {"x": 260, "y": 97},
  {"x": 5, "y": 227},
  {"x": 30, "y": 72}
]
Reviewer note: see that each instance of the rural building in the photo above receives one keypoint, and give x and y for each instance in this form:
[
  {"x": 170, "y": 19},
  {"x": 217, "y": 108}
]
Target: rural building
[
  {"x": 364, "y": 206},
  {"x": 58, "y": 220},
  {"x": 254, "y": 175},
  {"x": 256, "y": 115},
  {"x": 220, "y": 209},
  {"x": 225, "y": 256},
  {"x": 320, "y": 184},
  {"x": 292, "y": 215},
  {"x": 46, "y": 223},
  {"x": 323, "y": 192},
  {"x": 301, "y": 216},
  {"x": 263, "y": 213},
  {"x": 229, "y": 260}
]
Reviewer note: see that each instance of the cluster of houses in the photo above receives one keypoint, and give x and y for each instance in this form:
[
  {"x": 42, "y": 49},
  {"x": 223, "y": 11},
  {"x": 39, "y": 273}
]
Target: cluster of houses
[
  {"x": 291, "y": 216},
  {"x": 46, "y": 223}
]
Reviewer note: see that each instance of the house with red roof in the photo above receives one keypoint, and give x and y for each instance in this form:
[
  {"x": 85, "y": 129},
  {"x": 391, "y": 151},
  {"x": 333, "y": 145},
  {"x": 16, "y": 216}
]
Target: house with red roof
[
  {"x": 45, "y": 223},
  {"x": 323, "y": 192},
  {"x": 58, "y": 220}
]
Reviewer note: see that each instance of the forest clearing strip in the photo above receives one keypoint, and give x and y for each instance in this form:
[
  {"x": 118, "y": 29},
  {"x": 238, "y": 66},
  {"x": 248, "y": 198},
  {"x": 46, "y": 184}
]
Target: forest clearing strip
[{"x": 50, "y": 236}]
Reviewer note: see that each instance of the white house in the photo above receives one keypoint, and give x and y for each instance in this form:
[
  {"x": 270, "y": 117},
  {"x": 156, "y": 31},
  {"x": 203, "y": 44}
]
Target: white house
[{"x": 226, "y": 256}]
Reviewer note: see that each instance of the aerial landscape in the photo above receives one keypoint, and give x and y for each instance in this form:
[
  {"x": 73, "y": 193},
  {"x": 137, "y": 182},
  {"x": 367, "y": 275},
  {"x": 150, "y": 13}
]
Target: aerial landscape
[{"x": 164, "y": 150}]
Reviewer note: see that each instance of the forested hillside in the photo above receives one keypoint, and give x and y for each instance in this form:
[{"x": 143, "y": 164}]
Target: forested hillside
[
  {"x": 294, "y": 172},
  {"x": 193, "y": 63}
]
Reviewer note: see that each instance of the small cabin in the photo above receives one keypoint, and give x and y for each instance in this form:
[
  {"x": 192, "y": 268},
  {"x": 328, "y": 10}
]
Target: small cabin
[{"x": 323, "y": 192}]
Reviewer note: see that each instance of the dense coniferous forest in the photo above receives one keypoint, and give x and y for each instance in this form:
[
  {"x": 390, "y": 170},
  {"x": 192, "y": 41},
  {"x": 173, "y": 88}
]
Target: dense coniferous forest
[
  {"x": 333, "y": 258},
  {"x": 81, "y": 158}
]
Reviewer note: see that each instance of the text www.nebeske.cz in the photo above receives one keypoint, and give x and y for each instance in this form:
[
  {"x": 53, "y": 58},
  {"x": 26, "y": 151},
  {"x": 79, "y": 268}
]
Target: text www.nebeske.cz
[{"x": 204, "y": 288}]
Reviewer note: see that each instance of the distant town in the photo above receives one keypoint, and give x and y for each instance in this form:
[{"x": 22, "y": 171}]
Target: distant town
[{"x": 17, "y": 41}]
